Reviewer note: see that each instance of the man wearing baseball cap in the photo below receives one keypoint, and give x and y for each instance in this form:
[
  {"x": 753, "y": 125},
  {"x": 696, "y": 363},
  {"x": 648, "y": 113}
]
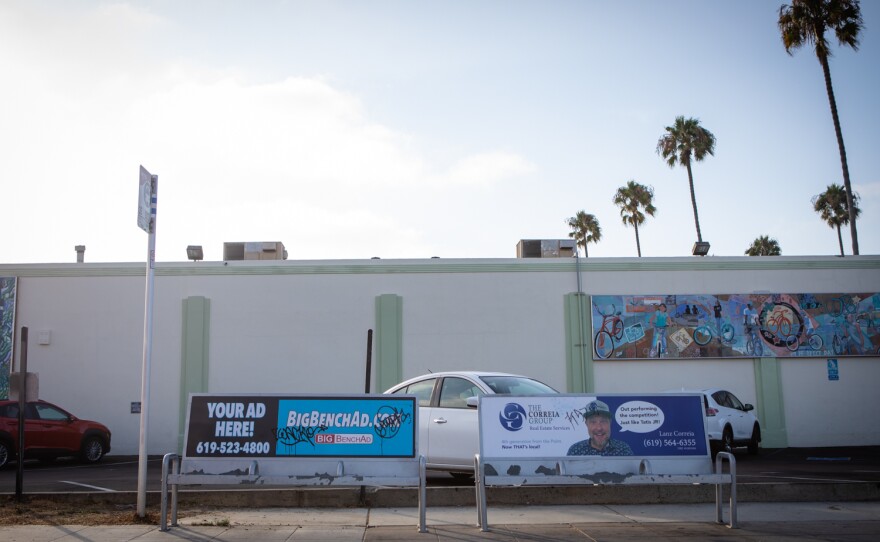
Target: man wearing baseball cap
[{"x": 597, "y": 418}]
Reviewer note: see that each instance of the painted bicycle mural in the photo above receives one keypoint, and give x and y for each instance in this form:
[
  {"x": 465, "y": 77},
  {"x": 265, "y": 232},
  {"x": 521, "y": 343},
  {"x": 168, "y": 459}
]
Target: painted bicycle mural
[
  {"x": 735, "y": 325},
  {"x": 7, "y": 331}
]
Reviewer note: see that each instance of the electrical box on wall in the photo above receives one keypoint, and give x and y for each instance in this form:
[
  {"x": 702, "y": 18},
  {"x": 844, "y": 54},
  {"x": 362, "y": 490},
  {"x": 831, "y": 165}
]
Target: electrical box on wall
[
  {"x": 32, "y": 386},
  {"x": 44, "y": 336}
]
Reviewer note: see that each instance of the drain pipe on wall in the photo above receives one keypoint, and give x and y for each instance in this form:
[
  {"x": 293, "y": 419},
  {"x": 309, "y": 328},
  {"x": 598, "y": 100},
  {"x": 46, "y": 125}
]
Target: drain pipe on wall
[{"x": 583, "y": 361}]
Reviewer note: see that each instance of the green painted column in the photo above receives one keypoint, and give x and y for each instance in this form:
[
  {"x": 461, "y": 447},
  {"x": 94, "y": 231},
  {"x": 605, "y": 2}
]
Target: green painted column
[
  {"x": 771, "y": 410},
  {"x": 578, "y": 346},
  {"x": 389, "y": 342},
  {"x": 194, "y": 355}
]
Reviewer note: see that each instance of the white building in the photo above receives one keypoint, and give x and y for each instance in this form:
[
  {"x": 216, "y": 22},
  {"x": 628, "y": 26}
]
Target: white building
[{"x": 301, "y": 327}]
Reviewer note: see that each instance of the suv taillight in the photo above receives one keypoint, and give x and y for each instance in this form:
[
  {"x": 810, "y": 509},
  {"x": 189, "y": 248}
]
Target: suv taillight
[{"x": 711, "y": 411}]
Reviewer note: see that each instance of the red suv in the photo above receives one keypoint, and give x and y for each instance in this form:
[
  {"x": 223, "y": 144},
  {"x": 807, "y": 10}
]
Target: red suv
[{"x": 50, "y": 432}]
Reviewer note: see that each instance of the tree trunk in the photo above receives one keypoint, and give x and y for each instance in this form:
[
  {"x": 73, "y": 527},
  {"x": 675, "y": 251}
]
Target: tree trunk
[
  {"x": 638, "y": 245},
  {"x": 840, "y": 240},
  {"x": 849, "y": 198},
  {"x": 694, "y": 201}
]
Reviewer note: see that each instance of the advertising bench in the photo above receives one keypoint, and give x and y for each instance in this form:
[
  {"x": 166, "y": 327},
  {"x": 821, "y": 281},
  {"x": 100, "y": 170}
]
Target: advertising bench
[
  {"x": 297, "y": 440},
  {"x": 598, "y": 441}
]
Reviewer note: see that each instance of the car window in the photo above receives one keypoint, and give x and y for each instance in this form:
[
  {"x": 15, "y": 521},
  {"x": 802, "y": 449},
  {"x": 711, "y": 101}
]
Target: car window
[
  {"x": 734, "y": 402},
  {"x": 454, "y": 392},
  {"x": 421, "y": 389},
  {"x": 9, "y": 411},
  {"x": 721, "y": 398},
  {"x": 30, "y": 413},
  {"x": 516, "y": 385},
  {"x": 46, "y": 412}
]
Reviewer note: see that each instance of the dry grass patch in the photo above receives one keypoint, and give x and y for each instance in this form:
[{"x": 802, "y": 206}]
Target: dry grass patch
[{"x": 42, "y": 511}]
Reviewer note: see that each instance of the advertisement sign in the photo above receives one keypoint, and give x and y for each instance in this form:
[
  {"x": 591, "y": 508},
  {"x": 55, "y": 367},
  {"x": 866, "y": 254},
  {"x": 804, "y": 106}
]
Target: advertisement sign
[
  {"x": 301, "y": 426},
  {"x": 602, "y": 425}
]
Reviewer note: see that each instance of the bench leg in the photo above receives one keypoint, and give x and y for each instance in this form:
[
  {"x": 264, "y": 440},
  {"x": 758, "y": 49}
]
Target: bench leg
[
  {"x": 733, "y": 522},
  {"x": 422, "y": 494},
  {"x": 731, "y": 461},
  {"x": 170, "y": 463},
  {"x": 480, "y": 484}
]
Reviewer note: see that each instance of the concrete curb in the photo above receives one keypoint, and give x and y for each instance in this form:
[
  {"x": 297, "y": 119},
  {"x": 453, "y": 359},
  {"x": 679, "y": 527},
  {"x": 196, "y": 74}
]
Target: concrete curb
[{"x": 465, "y": 496}]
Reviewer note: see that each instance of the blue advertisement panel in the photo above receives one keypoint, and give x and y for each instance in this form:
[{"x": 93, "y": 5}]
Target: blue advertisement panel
[
  {"x": 362, "y": 427},
  {"x": 647, "y": 425},
  {"x": 301, "y": 426}
]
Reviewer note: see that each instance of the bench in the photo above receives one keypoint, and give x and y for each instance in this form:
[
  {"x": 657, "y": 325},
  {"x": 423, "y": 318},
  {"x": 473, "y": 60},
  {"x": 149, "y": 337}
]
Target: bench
[
  {"x": 296, "y": 441},
  {"x": 524, "y": 441}
]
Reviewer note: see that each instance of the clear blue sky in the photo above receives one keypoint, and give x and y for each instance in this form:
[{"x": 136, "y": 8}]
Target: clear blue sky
[{"x": 404, "y": 129}]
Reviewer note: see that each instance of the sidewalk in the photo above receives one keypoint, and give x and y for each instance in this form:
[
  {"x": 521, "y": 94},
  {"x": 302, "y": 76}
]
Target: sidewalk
[{"x": 844, "y": 521}]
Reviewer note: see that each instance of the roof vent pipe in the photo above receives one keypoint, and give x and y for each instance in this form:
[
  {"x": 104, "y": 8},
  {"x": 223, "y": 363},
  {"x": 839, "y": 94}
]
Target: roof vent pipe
[{"x": 80, "y": 253}]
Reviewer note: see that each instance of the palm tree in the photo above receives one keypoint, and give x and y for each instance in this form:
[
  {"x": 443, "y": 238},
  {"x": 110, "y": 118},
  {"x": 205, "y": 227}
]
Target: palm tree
[
  {"x": 684, "y": 141},
  {"x": 805, "y": 22},
  {"x": 631, "y": 199},
  {"x": 832, "y": 206},
  {"x": 584, "y": 230},
  {"x": 764, "y": 246}
]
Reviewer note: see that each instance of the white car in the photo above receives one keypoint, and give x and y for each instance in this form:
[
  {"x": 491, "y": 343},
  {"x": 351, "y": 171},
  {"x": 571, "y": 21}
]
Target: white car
[
  {"x": 730, "y": 423},
  {"x": 448, "y": 423}
]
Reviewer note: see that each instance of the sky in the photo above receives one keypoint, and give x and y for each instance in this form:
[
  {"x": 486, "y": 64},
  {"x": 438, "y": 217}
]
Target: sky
[{"x": 413, "y": 129}]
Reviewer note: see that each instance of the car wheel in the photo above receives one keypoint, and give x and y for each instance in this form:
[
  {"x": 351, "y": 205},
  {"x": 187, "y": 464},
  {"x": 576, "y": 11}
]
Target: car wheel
[
  {"x": 753, "y": 442},
  {"x": 92, "y": 450},
  {"x": 727, "y": 440},
  {"x": 5, "y": 453}
]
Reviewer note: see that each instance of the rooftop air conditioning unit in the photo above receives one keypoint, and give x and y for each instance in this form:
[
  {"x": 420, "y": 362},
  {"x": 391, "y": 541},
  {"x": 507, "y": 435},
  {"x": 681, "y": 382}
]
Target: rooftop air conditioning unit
[
  {"x": 254, "y": 251},
  {"x": 545, "y": 248}
]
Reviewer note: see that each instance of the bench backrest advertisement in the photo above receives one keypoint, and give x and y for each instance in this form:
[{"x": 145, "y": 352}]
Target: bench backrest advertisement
[
  {"x": 300, "y": 426},
  {"x": 611, "y": 427}
]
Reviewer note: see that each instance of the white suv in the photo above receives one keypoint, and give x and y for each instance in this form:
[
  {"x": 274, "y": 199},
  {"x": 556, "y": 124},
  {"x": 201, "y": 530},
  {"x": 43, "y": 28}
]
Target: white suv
[{"x": 729, "y": 422}]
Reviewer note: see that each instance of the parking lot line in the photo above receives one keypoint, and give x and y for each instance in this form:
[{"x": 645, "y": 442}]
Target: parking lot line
[{"x": 88, "y": 486}]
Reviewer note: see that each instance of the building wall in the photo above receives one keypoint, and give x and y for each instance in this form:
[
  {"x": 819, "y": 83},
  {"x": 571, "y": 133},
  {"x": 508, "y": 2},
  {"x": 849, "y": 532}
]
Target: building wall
[{"x": 301, "y": 327}]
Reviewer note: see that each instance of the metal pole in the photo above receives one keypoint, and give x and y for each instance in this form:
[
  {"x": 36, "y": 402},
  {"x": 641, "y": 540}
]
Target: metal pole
[
  {"x": 22, "y": 398},
  {"x": 148, "y": 352},
  {"x": 369, "y": 360}
]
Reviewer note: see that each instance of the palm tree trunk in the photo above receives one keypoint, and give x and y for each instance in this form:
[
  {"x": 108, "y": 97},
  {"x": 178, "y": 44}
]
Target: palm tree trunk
[
  {"x": 840, "y": 240},
  {"x": 586, "y": 252},
  {"x": 638, "y": 245},
  {"x": 826, "y": 69},
  {"x": 694, "y": 201}
]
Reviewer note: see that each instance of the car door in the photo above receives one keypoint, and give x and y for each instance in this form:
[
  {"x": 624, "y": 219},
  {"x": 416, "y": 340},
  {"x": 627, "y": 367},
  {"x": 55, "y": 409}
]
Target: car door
[
  {"x": 453, "y": 426},
  {"x": 742, "y": 428},
  {"x": 52, "y": 429},
  {"x": 9, "y": 422},
  {"x": 424, "y": 391}
]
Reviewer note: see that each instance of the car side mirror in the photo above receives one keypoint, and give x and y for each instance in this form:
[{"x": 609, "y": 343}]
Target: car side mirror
[
  {"x": 748, "y": 406},
  {"x": 472, "y": 402}
]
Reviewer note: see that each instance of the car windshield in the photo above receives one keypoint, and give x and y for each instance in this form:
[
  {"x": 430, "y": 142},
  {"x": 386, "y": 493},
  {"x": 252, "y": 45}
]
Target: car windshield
[{"x": 516, "y": 385}]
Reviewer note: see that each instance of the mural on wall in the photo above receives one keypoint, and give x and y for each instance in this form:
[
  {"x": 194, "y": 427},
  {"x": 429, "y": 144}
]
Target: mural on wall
[
  {"x": 7, "y": 331},
  {"x": 735, "y": 325}
]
